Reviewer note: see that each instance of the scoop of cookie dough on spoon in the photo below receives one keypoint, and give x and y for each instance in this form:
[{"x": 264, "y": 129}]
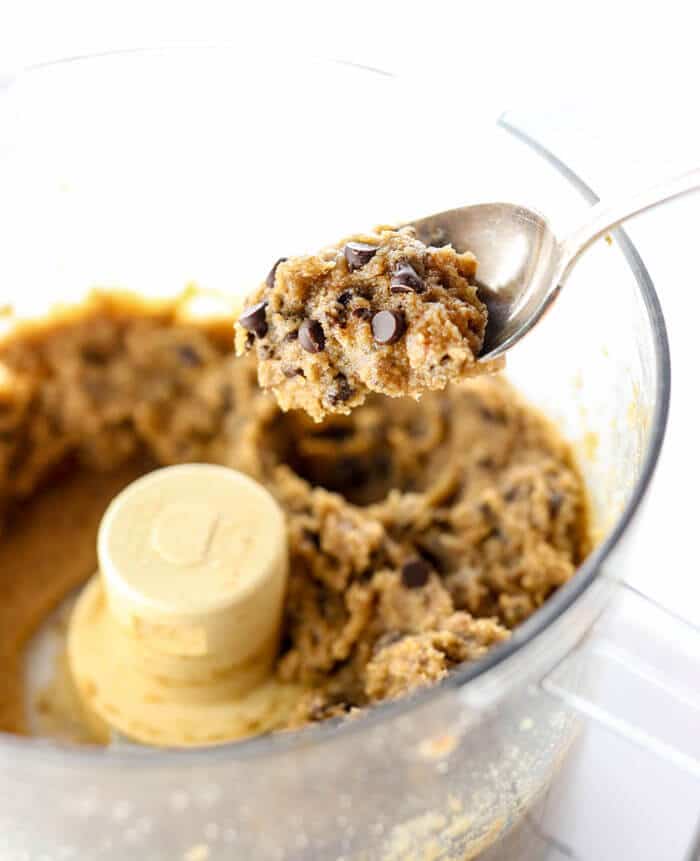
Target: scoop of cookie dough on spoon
[
  {"x": 378, "y": 312},
  {"x": 404, "y": 311}
]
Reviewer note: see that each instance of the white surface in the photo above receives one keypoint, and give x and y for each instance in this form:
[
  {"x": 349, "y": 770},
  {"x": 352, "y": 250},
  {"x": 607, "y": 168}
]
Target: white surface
[{"x": 500, "y": 53}]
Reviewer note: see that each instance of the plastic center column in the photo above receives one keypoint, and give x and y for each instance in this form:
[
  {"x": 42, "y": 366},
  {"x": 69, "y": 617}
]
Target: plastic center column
[{"x": 173, "y": 641}]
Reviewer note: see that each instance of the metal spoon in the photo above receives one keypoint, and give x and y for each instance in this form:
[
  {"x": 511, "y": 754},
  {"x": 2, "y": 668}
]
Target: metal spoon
[{"x": 523, "y": 264}]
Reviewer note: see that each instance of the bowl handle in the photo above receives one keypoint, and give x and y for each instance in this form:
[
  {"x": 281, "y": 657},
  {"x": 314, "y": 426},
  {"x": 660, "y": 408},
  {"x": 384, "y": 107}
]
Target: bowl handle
[{"x": 633, "y": 673}]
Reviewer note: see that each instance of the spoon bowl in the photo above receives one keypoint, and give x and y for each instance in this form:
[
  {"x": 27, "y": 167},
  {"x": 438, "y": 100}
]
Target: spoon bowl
[
  {"x": 516, "y": 250},
  {"x": 522, "y": 263}
]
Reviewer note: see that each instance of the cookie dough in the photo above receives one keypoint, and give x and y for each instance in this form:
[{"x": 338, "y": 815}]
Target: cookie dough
[
  {"x": 379, "y": 312},
  {"x": 174, "y": 642},
  {"x": 420, "y": 534}
]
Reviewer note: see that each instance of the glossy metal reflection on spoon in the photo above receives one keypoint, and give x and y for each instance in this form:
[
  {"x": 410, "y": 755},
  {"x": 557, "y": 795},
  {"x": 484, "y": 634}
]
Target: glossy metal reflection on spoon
[{"x": 523, "y": 264}]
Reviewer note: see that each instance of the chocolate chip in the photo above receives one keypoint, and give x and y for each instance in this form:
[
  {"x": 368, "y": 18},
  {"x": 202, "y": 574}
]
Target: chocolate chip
[
  {"x": 556, "y": 500},
  {"x": 489, "y": 415},
  {"x": 291, "y": 336},
  {"x": 405, "y": 279},
  {"x": 337, "y": 433},
  {"x": 340, "y": 391},
  {"x": 94, "y": 356},
  {"x": 345, "y": 297},
  {"x": 486, "y": 511},
  {"x": 249, "y": 340},
  {"x": 253, "y": 319},
  {"x": 362, "y": 313},
  {"x": 415, "y": 573},
  {"x": 388, "y": 326},
  {"x": 270, "y": 280},
  {"x": 358, "y": 254},
  {"x": 189, "y": 356},
  {"x": 432, "y": 558},
  {"x": 293, "y": 372},
  {"x": 339, "y": 317},
  {"x": 313, "y": 538},
  {"x": 227, "y": 398},
  {"x": 311, "y": 336}
]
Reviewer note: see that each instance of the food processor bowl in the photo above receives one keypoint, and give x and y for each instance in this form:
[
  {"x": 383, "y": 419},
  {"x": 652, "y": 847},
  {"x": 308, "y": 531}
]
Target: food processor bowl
[{"x": 151, "y": 169}]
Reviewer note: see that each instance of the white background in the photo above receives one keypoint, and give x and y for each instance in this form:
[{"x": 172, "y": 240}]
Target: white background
[{"x": 621, "y": 81}]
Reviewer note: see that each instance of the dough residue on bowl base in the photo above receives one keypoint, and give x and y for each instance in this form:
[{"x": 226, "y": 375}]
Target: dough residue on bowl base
[{"x": 421, "y": 533}]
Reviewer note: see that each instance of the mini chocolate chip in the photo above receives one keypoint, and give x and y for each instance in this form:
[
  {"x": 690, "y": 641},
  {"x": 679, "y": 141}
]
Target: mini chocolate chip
[
  {"x": 345, "y": 297},
  {"x": 286, "y": 643},
  {"x": 189, "y": 356},
  {"x": 291, "y": 336},
  {"x": 292, "y": 372},
  {"x": 358, "y": 254},
  {"x": 249, "y": 340},
  {"x": 270, "y": 280},
  {"x": 415, "y": 573},
  {"x": 253, "y": 319},
  {"x": 489, "y": 415},
  {"x": 311, "y": 336},
  {"x": 388, "y": 326},
  {"x": 433, "y": 559},
  {"x": 405, "y": 279},
  {"x": 227, "y": 397},
  {"x": 341, "y": 390},
  {"x": 362, "y": 313},
  {"x": 340, "y": 317},
  {"x": 336, "y": 432},
  {"x": 556, "y": 500},
  {"x": 486, "y": 510},
  {"x": 94, "y": 355},
  {"x": 313, "y": 538}
]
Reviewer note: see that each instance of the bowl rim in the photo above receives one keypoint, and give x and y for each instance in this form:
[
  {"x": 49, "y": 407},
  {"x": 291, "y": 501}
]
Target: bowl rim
[{"x": 261, "y": 746}]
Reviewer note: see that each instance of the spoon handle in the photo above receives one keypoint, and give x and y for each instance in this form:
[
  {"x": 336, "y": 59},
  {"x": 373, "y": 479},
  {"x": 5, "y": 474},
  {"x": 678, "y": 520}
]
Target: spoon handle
[{"x": 605, "y": 215}]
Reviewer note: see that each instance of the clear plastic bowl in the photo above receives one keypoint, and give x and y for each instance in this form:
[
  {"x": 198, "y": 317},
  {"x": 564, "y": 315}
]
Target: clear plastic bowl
[{"x": 149, "y": 169}]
